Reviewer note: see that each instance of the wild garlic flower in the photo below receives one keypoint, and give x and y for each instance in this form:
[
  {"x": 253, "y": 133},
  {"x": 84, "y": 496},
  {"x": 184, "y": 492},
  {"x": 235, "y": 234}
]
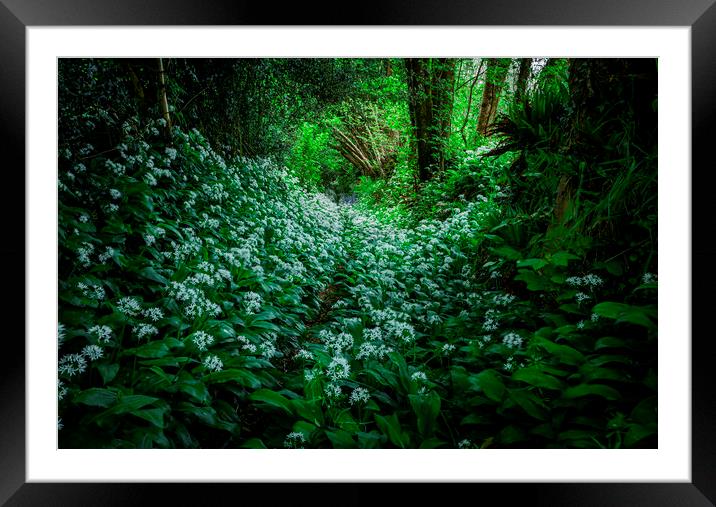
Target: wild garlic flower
[
  {"x": 294, "y": 440},
  {"x": 213, "y": 363},
  {"x": 332, "y": 390},
  {"x": 61, "y": 390},
  {"x": 509, "y": 364},
  {"x": 464, "y": 444},
  {"x": 447, "y": 348},
  {"x": 512, "y": 340},
  {"x": 648, "y": 278},
  {"x": 114, "y": 193},
  {"x": 338, "y": 368},
  {"x": 102, "y": 333},
  {"x": 72, "y": 364},
  {"x": 419, "y": 376},
  {"x": 202, "y": 340},
  {"x": 359, "y": 395},
  {"x": 144, "y": 330},
  {"x": 304, "y": 354},
  {"x": 129, "y": 306},
  {"x": 252, "y": 302},
  {"x": 60, "y": 335},
  {"x": 93, "y": 352},
  {"x": 84, "y": 252},
  {"x": 154, "y": 314},
  {"x": 106, "y": 255}
]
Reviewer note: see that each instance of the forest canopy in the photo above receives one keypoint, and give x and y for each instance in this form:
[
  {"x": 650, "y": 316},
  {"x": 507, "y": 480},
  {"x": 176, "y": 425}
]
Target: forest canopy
[{"x": 357, "y": 253}]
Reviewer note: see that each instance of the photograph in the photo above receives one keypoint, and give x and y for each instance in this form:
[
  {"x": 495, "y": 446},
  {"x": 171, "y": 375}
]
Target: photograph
[{"x": 357, "y": 253}]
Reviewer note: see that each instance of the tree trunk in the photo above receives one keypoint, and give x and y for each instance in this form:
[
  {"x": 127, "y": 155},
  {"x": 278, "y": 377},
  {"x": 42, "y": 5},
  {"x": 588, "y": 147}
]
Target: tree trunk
[
  {"x": 430, "y": 99},
  {"x": 164, "y": 104},
  {"x": 522, "y": 77},
  {"x": 469, "y": 101},
  {"x": 494, "y": 81}
]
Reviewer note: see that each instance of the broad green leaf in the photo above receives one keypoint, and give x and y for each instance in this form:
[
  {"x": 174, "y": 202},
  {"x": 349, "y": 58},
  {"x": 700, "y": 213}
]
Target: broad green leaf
[
  {"x": 242, "y": 377},
  {"x": 426, "y": 408},
  {"x": 535, "y": 264},
  {"x": 341, "y": 439},
  {"x": 529, "y": 403},
  {"x": 534, "y": 376},
  {"x": 108, "y": 371},
  {"x": 153, "y": 415},
  {"x": 592, "y": 390},
  {"x": 272, "y": 399},
  {"x": 562, "y": 258},
  {"x": 96, "y": 397},
  {"x": 253, "y": 443},
  {"x": 151, "y": 274},
  {"x": 391, "y": 428},
  {"x": 491, "y": 384}
]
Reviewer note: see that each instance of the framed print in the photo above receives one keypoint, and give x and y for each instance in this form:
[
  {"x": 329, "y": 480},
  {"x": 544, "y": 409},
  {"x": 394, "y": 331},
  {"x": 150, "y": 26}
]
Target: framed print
[{"x": 422, "y": 246}]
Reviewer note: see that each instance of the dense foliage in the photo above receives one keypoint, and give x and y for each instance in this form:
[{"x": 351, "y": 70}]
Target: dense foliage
[{"x": 271, "y": 270}]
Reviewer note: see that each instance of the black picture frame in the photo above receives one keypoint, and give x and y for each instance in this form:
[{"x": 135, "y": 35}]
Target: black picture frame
[{"x": 17, "y": 15}]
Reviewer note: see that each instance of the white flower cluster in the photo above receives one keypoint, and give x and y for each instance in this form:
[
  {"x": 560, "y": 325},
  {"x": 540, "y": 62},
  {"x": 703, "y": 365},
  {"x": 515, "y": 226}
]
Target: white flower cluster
[
  {"x": 252, "y": 302},
  {"x": 359, "y": 395},
  {"x": 202, "y": 340},
  {"x": 294, "y": 440},
  {"x": 144, "y": 330},
  {"x": 129, "y": 306},
  {"x": 246, "y": 344},
  {"x": 213, "y": 363},
  {"x": 589, "y": 280},
  {"x": 338, "y": 369},
  {"x": 512, "y": 340},
  {"x": 196, "y": 304},
  {"x": 102, "y": 333}
]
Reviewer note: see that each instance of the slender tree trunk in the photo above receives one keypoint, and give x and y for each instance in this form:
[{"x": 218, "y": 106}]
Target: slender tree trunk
[
  {"x": 494, "y": 81},
  {"x": 469, "y": 102},
  {"x": 420, "y": 104},
  {"x": 522, "y": 77},
  {"x": 164, "y": 104},
  {"x": 430, "y": 100}
]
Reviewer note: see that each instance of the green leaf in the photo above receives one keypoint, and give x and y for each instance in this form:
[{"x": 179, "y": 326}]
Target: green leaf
[
  {"x": 638, "y": 432},
  {"x": 96, "y": 397},
  {"x": 431, "y": 443},
  {"x": 242, "y": 377},
  {"x": 426, "y": 408},
  {"x": 564, "y": 353},
  {"x": 535, "y": 264},
  {"x": 272, "y": 399},
  {"x": 108, "y": 371},
  {"x": 610, "y": 342},
  {"x": 156, "y": 349},
  {"x": 533, "y": 280},
  {"x": 507, "y": 252},
  {"x": 194, "y": 388},
  {"x": 341, "y": 439},
  {"x": 153, "y": 415},
  {"x": 253, "y": 443},
  {"x": 533, "y": 376},
  {"x": 491, "y": 384},
  {"x": 591, "y": 390},
  {"x": 309, "y": 410},
  {"x": 639, "y": 315},
  {"x": 151, "y": 274},
  {"x": 562, "y": 258},
  {"x": 529, "y": 403},
  {"x": 391, "y": 428},
  {"x": 345, "y": 421}
]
